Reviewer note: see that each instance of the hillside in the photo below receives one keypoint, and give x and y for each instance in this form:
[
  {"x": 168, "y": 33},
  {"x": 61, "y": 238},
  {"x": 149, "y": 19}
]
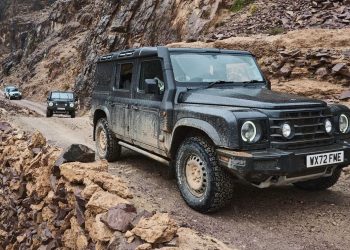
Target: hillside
[{"x": 48, "y": 44}]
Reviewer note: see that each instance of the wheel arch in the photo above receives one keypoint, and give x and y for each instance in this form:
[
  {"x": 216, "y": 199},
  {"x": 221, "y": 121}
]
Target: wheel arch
[
  {"x": 98, "y": 114},
  {"x": 186, "y": 127}
]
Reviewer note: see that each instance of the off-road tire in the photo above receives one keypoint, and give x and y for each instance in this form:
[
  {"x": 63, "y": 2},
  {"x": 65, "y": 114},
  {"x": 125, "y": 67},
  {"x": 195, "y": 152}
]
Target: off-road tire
[
  {"x": 219, "y": 188},
  {"x": 113, "y": 149},
  {"x": 49, "y": 113},
  {"x": 72, "y": 114},
  {"x": 322, "y": 183}
]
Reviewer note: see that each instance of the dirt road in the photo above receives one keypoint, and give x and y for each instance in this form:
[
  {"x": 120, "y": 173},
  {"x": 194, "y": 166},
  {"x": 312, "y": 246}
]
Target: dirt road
[{"x": 275, "y": 218}]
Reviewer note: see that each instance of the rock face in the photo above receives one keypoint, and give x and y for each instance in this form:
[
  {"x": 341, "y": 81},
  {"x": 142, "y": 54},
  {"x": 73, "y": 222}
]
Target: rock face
[
  {"x": 69, "y": 35},
  {"x": 58, "y": 41},
  {"x": 278, "y": 16}
]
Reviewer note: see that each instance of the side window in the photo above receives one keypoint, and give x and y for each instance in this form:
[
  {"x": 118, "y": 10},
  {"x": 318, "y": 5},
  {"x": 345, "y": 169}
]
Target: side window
[
  {"x": 125, "y": 76},
  {"x": 103, "y": 75},
  {"x": 151, "y": 70}
]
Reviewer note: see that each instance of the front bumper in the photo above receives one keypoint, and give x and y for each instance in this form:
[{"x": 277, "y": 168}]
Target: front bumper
[
  {"x": 66, "y": 109},
  {"x": 275, "y": 164}
]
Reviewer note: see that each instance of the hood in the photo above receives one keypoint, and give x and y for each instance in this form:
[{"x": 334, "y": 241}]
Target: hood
[
  {"x": 14, "y": 93},
  {"x": 248, "y": 97}
]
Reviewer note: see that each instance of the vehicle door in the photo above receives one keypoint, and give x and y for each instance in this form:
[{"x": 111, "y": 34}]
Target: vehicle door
[
  {"x": 145, "y": 112},
  {"x": 120, "y": 98}
]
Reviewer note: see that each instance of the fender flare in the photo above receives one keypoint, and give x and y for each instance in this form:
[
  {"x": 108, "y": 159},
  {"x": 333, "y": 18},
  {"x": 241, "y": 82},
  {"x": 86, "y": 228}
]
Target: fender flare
[
  {"x": 108, "y": 117},
  {"x": 204, "y": 126}
]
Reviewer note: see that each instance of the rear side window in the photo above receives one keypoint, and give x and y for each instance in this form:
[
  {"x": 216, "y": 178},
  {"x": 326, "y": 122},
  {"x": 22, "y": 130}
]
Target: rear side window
[
  {"x": 125, "y": 76},
  {"x": 104, "y": 75},
  {"x": 151, "y": 70}
]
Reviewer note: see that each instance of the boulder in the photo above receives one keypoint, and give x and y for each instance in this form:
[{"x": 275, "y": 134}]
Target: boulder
[
  {"x": 76, "y": 172},
  {"x": 37, "y": 140},
  {"x": 4, "y": 126},
  {"x": 76, "y": 153},
  {"x": 188, "y": 238},
  {"x": 321, "y": 72},
  {"x": 285, "y": 71},
  {"x": 102, "y": 201},
  {"x": 159, "y": 228},
  {"x": 338, "y": 67},
  {"x": 119, "y": 218},
  {"x": 99, "y": 231}
]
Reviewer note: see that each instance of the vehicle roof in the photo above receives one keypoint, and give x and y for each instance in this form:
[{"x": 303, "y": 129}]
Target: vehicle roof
[{"x": 153, "y": 51}]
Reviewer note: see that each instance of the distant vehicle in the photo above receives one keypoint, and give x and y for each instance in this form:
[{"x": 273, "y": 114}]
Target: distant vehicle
[
  {"x": 212, "y": 116},
  {"x": 12, "y": 92},
  {"x": 61, "y": 102}
]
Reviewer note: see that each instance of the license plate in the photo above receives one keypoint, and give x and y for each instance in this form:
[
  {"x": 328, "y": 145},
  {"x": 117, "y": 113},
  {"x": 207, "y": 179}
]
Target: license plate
[
  {"x": 324, "y": 159},
  {"x": 61, "y": 108}
]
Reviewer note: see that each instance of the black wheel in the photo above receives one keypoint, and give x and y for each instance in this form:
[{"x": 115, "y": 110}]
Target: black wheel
[
  {"x": 72, "y": 114},
  {"x": 107, "y": 146},
  {"x": 204, "y": 185},
  {"x": 322, "y": 183},
  {"x": 49, "y": 113}
]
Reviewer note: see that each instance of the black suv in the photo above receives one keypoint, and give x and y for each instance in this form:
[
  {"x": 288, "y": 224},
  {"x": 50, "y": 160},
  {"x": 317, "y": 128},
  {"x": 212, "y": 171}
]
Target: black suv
[
  {"x": 211, "y": 115},
  {"x": 61, "y": 102}
]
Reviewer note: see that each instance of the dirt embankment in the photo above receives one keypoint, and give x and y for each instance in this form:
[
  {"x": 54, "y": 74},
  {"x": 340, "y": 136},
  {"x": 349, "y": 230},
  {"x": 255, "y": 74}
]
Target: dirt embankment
[
  {"x": 317, "y": 61},
  {"x": 49, "y": 202}
]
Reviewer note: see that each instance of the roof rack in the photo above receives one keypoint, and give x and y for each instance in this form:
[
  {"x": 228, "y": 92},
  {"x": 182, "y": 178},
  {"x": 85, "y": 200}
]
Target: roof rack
[
  {"x": 106, "y": 57},
  {"x": 126, "y": 53}
]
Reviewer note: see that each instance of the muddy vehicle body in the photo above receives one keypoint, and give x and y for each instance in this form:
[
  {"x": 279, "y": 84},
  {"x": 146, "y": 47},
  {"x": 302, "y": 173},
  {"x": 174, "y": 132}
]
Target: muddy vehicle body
[
  {"x": 211, "y": 115},
  {"x": 61, "y": 102},
  {"x": 12, "y": 92}
]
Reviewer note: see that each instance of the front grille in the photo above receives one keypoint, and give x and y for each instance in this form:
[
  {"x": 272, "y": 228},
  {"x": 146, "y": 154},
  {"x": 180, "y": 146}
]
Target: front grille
[
  {"x": 308, "y": 127},
  {"x": 61, "y": 104}
]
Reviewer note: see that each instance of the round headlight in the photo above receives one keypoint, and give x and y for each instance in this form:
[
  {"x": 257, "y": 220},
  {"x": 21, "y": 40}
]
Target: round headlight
[
  {"x": 71, "y": 105},
  {"x": 328, "y": 126},
  {"x": 343, "y": 123},
  {"x": 250, "y": 132},
  {"x": 50, "y": 104},
  {"x": 287, "y": 131}
]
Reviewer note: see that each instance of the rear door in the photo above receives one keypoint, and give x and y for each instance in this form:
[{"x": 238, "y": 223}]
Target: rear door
[
  {"x": 145, "y": 110},
  {"x": 120, "y": 99}
]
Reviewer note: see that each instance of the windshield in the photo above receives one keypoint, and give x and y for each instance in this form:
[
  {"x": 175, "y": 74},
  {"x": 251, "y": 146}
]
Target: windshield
[
  {"x": 206, "y": 68},
  {"x": 60, "y": 95},
  {"x": 14, "y": 90}
]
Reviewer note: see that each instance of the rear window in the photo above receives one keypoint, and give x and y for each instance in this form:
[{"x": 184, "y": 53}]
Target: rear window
[{"x": 60, "y": 95}]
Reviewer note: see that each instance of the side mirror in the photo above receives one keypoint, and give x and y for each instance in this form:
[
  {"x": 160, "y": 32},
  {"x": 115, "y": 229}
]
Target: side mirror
[
  {"x": 75, "y": 98},
  {"x": 151, "y": 86}
]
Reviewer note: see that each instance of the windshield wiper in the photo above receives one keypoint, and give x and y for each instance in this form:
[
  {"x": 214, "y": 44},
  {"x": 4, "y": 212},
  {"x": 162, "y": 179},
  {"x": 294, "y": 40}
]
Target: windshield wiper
[
  {"x": 245, "y": 83},
  {"x": 211, "y": 84}
]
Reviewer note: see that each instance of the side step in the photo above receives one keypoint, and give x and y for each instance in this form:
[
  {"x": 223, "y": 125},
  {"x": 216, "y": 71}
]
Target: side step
[{"x": 145, "y": 153}]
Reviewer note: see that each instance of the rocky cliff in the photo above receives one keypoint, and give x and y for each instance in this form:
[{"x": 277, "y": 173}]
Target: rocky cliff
[{"x": 47, "y": 44}]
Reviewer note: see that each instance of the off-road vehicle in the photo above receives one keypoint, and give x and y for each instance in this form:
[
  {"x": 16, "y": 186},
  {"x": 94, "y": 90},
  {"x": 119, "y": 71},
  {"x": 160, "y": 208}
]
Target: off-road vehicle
[
  {"x": 61, "y": 102},
  {"x": 211, "y": 114},
  {"x": 12, "y": 92}
]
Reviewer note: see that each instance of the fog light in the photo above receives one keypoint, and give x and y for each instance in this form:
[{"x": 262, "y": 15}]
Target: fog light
[
  {"x": 328, "y": 126},
  {"x": 287, "y": 131}
]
